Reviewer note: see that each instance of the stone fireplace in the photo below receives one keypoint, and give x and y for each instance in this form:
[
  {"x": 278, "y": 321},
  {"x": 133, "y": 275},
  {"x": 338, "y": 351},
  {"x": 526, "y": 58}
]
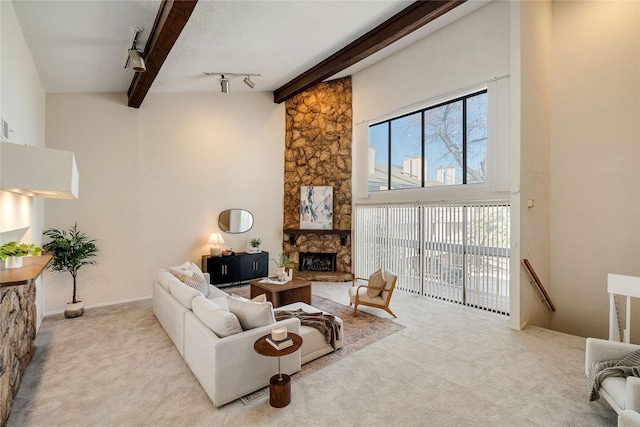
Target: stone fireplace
[{"x": 318, "y": 152}]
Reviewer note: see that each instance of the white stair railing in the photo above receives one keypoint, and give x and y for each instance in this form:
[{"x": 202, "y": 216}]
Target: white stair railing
[{"x": 628, "y": 286}]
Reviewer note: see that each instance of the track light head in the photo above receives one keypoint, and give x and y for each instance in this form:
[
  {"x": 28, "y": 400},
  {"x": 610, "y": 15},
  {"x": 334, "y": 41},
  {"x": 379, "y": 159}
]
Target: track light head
[
  {"x": 224, "y": 84},
  {"x": 136, "y": 61},
  {"x": 134, "y": 55},
  {"x": 248, "y": 82}
]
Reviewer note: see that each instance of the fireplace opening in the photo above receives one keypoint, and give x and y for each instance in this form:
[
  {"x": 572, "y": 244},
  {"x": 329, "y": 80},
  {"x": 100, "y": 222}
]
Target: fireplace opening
[{"x": 317, "y": 261}]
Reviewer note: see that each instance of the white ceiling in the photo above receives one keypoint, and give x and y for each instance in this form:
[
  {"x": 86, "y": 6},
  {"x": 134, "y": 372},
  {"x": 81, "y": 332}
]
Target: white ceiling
[{"x": 81, "y": 46}]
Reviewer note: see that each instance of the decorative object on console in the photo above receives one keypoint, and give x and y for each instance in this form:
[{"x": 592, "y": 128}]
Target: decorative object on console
[
  {"x": 255, "y": 244},
  {"x": 11, "y": 253},
  {"x": 70, "y": 252},
  {"x": 316, "y": 207},
  {"x": 215, "y": 240}
]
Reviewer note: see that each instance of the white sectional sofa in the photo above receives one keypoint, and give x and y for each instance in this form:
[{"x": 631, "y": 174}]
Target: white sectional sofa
[{"x": 227, "y": 367}]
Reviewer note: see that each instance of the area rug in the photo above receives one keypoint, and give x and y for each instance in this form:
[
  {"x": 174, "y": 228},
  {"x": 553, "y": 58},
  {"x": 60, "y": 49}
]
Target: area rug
[{"x": 358, "y": 333}]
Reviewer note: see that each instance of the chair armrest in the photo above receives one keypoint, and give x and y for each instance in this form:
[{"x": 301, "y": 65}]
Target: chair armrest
[
  {"x": 355, "y": 279},
  {"x": 207, "y": 278},
  {"x": 632, "y": 395},
  {"x": 628, "y": 418},
  {"x": 598, "y": 350}
]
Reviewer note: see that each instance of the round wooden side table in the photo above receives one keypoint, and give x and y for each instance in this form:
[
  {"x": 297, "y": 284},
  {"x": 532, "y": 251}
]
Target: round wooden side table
[{"x": 280, "y": 384}]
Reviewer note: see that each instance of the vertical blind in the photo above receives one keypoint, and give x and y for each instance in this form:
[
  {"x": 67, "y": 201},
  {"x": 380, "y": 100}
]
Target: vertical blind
[{"x": 453, "y": 252}]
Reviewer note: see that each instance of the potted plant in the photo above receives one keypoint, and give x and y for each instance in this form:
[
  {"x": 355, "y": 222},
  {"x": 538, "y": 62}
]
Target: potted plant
[
  {"x": 255, "y": 244},
  {"x": 11, "y": 253},
  {"x": 282, "y": 262},
  {"x": 70, "y": 250}
]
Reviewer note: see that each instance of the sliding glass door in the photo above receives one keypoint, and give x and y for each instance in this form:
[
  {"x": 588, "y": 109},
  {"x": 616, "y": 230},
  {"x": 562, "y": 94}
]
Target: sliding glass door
[{"x": 453, "y": 252}]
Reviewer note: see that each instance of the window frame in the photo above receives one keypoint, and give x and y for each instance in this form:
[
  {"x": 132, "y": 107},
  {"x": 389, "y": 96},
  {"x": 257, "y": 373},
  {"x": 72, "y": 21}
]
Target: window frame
[{"x": 422, "y": 111}]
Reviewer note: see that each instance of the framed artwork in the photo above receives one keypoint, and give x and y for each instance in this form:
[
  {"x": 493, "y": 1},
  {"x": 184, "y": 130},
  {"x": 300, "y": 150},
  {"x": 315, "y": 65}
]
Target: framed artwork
[{"x": 316, "y": 207}]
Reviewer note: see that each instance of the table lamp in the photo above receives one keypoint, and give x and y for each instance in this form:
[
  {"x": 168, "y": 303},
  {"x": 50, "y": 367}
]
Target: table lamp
[{"x": 215, "y": 240}]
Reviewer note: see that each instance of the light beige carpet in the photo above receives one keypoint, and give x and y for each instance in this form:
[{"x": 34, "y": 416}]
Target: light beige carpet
[
  {"x": 449, "y": 366},
  {"x": 359, "y": 332}
]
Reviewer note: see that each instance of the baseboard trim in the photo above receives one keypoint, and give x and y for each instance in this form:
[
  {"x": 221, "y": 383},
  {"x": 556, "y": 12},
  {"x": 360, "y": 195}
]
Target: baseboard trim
[{"x": 51, "y": 313}]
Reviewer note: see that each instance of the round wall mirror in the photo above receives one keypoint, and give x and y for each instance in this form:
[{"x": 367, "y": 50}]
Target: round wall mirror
[{"x": 235, "y": 221}]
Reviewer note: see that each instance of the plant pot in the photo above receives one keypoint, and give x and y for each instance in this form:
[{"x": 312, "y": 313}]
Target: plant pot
[
  {"x": 13, "y": 262},
  {"x": 74, "y": 309},
  {"x": 280, "y": 273}
]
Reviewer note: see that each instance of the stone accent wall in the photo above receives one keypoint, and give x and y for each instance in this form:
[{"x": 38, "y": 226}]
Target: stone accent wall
[
  {"x": 17, "y": 333},
  {"x": 318, "y": 152}
]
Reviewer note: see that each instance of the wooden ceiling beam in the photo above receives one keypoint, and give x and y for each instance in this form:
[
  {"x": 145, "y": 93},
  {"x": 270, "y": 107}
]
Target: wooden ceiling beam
[
  {"x": 393, "y": 29},
  {"x": 170, "y": 21}
]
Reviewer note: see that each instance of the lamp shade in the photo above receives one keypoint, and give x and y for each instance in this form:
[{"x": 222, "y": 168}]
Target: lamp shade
[{"x": 215, "y": 239}]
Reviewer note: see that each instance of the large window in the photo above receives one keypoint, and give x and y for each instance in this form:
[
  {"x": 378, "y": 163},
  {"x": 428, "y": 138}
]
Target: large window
[{"x": 445, "y": 144}]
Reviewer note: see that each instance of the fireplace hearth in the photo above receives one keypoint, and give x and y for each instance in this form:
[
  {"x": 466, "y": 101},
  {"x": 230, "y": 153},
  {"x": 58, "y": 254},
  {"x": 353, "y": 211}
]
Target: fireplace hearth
[{"x": 317, "y": 261}]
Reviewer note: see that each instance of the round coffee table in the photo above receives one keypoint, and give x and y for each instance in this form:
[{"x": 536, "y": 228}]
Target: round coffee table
[{"x": 280, "y": 384}]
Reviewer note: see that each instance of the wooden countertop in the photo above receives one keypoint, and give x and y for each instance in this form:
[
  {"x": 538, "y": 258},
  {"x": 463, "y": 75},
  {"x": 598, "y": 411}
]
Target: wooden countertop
[{"x": 32, "y": 267}]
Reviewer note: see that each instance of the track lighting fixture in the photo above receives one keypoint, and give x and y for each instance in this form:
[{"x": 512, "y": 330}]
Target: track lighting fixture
[
  {"x": 225, "y": 86},
  {"x": 134, "y": 55}
]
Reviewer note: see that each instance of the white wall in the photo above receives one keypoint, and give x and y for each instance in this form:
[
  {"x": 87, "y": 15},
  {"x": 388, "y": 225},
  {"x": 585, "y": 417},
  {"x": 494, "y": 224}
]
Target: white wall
[
  {"x": 534, "y": 144},
  {"x": 153, "y": 181},
  {"x": 454, "y": 60},
  {"x": 22, "y": 105},
  {"x": 595, "y": 159}
]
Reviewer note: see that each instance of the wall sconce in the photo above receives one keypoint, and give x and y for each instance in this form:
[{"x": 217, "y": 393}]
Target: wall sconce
[
  {"x": 215, "y": 240},
  {"x": 134, "y": 55},
  {"x": 225, "y": 86}
]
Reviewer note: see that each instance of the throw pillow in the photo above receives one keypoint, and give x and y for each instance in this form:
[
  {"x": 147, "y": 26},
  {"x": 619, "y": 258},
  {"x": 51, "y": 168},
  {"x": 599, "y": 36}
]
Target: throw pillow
[
  {"x": 259, "y": 298},
  {"x": 219, "y": 320},
  {"x": 193, "y": 280},
  {"x": 251, "y": 314},
  {"x": 376, "y": 284},
  {"x": 196, "y": 270}
]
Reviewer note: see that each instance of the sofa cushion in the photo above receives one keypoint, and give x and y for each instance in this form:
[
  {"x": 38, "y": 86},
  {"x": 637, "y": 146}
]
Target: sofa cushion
[
  {"x": 183, "y": 293},
  {"x": 376, "y": 284},
  {"x": 251, "y": 314},
  {"x": 222, "y": 322},
  {"x": 165, "y": 277}
]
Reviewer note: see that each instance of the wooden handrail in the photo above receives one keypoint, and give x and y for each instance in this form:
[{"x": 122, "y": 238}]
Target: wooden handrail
[{"x": 538, "y": 283}]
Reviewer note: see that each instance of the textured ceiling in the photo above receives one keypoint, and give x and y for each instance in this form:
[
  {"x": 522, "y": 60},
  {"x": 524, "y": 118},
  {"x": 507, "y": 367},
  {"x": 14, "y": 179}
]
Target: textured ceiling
[{"x": 80, "y": 46}]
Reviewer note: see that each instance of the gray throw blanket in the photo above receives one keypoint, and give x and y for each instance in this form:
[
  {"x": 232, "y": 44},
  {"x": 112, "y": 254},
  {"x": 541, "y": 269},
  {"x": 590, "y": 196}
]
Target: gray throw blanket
[
  {"x": 325, "y": 323},
  {"x": 599, "y": 371}
]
